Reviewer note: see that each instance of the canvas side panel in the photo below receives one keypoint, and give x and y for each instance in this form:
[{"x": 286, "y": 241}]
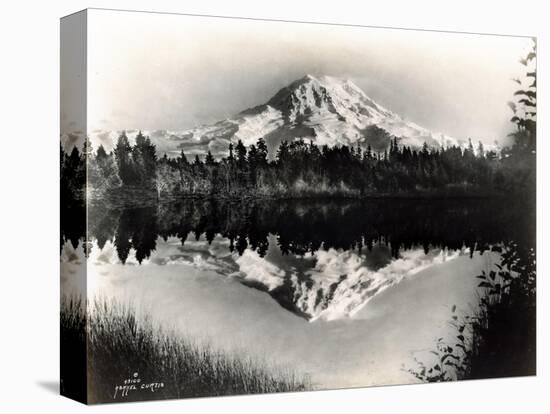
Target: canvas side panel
[{"x": 73, "y": 66}]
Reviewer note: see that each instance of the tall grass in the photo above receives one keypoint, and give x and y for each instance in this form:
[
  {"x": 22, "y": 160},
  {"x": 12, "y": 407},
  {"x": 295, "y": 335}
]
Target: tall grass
[
  {"x": 73, "y": 349},
  {"x": 120, "y": 344},
  {"x": 499, "y": 338}
]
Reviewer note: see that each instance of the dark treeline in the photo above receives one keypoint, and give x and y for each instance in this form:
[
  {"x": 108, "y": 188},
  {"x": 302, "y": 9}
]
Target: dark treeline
[
  {"x": 302, "y": 227},
  {"x": 301, "y": 169},
  {"x": 72, "y": 201}
]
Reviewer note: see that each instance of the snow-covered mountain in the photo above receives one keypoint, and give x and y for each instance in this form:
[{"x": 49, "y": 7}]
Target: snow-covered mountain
[{"x": 327, "y": 110}]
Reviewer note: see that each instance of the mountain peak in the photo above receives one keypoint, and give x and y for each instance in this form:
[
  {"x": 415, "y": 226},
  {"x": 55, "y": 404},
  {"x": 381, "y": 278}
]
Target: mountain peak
[
  {"x": 327, "y": 97},
  {"x": 328, "y": 81},
  {"x": 325, "y": 109},
  {"x": 308, "y": 77},
  {"x": 324, "y": 81}
]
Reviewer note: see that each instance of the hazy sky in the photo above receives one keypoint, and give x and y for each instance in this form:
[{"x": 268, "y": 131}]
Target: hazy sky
[{"x": 161, "y": 71}]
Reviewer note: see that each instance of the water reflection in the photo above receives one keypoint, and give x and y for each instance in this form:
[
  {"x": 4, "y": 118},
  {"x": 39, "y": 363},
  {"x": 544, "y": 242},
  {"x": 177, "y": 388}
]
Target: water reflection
[
  {"x": 305, "y": 227},
  {"x": 316, "y": 259}
]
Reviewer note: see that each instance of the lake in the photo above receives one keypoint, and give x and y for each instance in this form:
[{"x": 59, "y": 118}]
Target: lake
[{"x": 348, "y": 292}]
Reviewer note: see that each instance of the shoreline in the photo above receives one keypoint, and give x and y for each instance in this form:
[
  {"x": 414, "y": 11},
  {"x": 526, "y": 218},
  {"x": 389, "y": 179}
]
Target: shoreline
[{"x": 127, "y": 197}]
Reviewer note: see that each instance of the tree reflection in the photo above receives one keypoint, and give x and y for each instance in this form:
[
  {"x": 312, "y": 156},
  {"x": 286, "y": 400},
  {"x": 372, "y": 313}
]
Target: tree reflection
[{"x": 304, "y": 227}]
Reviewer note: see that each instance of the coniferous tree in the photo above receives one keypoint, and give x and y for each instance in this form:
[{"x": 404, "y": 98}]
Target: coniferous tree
[
  {"x": 123, "y": 152},
  {"x": 182, "y": 160},
  {"x": 283, "y": 153},
  {"x": 101, "y": 154},
  {"x": 480, "y": 150},
  {"x": 241, "y": 154},
  {"x": 144, "y": 160},
  {"x": 368, "y": 153},
  {"x": 262, "y": 152},
  {"x": 470, "y": 149},
  {"x": 209, "y": 159},
  {"x": 197, "y": 162}
]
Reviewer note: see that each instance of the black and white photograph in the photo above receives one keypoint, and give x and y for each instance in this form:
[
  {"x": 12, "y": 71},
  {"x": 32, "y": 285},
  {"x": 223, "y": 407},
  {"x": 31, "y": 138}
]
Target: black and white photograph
[
  {"x": 311, "y": 207},
  {"x": 274, "y": 207}
]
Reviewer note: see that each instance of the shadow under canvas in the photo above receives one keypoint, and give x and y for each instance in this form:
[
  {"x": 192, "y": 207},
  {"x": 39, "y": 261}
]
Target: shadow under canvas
[{"x": 49, "y": 385}]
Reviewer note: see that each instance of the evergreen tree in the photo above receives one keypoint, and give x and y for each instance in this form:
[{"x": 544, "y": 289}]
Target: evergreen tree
[
  {"x": 101, "y": 154},
  {"x": 368, "y": 153},
  {"x": 262, "y": 152},
  {"x": 425, "y": 150},
  {"x": 253, "y": 157},
  {"x": 359, "y": 152},
  {"x": 144, "y": 159},
  {"x": 283, "y": 152},
  {"x": 480, "y": 150},
  {"x": 182, "y": 160},
  {"x": 470, "y": 149},
  {"x": 241, "y": 154},
  {"x": 209, "y": 160},
  {"x": 123, "y": 152}
]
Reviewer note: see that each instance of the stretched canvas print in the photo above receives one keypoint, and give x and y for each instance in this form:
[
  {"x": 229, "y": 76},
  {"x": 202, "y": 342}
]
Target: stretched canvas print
[{"x": 254, "y": 206}]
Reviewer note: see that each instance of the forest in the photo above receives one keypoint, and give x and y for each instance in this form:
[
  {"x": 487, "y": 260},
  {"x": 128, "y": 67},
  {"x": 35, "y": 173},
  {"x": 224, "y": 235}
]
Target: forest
[{"x": 299, "y": 169}]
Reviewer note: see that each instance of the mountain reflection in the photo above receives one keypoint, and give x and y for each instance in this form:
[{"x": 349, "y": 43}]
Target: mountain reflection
[{"x": 317, "y": 259}]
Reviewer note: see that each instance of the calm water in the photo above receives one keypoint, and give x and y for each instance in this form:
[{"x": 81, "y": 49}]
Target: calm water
[{"x": 344, "y": 291}]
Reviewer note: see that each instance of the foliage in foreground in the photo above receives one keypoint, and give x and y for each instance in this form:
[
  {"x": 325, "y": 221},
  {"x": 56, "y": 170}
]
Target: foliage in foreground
[
  {"x": 499, "y": 338},
  {"x": 119, "y": 345},
  {"x": 73, "y": 349}
]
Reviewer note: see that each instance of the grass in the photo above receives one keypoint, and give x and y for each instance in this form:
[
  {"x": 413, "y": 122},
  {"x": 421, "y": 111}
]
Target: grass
[
  {"x": 120, "y": 344},
  {"x": 499, "y": 338},
  {"x": 73, "y": 349}
]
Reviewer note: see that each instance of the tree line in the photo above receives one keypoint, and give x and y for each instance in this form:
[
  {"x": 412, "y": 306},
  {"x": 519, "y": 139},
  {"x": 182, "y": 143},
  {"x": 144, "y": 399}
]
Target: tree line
[{"x": 301, "y": 169}]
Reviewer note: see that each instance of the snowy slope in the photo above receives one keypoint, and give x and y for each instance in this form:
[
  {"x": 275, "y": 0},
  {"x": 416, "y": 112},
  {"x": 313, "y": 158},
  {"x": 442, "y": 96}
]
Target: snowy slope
[{"x": 327, "y": 110}]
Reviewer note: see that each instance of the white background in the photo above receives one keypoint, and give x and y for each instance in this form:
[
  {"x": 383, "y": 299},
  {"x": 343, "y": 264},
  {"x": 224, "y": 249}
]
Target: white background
[{"x": 29, "y": 210}]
